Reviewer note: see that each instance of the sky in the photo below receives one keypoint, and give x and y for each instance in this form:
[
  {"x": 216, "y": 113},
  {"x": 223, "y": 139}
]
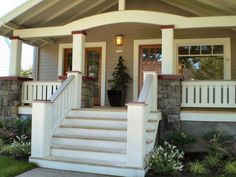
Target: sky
[{"x": 27, "y": 50}]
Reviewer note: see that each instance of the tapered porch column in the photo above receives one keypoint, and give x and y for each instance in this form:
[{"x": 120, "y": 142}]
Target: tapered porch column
[
  {"x": 15, "y": 56},
  {"x": 78, "y": 59},
  {"x": 168, "y": 62}
]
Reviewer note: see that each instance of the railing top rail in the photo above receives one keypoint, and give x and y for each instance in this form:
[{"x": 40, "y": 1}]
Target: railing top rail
[
  {"x": 61, "y": 88},
  {"x": 41, "y": 82},
  {"x": 209, "y": 82},
  {"x": 145, "y": 89}
]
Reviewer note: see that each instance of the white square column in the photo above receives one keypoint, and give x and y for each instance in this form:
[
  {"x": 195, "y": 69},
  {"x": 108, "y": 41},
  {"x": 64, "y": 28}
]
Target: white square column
[
  {"x": 78, "y": 54},
  {"x": 168, "y": 61},
  {"x": 15, "y": 57}
]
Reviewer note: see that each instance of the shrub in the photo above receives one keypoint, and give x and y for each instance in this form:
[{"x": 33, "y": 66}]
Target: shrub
[
  {"x": 197, "y": 168},
  {"x": 20, "y": 148},
  {"x": 230, "y": 168},
  {"x": 219, "y": 142},
  {"x": 165, "y": 159},
  {"x": 181, "y": 139},
  {"x": 213, "y": 160}
]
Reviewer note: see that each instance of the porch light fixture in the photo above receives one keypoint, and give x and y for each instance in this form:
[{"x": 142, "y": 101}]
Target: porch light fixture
[{"x": 119, "y": 40}]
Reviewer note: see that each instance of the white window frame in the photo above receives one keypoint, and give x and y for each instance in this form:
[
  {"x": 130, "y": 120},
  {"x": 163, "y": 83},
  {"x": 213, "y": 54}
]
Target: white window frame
[
  {"x": 103, "y": 64},
  {"x": 209, "y": 41}
]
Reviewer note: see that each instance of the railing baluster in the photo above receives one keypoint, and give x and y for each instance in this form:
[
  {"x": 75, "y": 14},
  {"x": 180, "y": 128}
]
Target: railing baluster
[{"x": 209, "y": 94}]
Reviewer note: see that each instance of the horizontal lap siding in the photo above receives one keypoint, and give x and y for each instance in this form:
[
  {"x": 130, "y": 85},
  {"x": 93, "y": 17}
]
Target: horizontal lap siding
[
  {"x": 48, "y": 62},
  {"x": 233, "y": 58}
]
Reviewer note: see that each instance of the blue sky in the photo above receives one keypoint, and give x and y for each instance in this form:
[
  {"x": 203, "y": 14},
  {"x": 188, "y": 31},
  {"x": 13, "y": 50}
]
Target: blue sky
[{"x": 27, "y": 51}]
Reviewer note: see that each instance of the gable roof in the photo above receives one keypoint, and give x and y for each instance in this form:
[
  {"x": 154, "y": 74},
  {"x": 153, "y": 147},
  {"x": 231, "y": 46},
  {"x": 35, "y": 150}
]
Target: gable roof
[{"x": 44, "y": 13}]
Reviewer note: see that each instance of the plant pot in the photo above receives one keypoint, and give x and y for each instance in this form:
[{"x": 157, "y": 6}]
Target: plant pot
[{"x": 115, "y": 98}]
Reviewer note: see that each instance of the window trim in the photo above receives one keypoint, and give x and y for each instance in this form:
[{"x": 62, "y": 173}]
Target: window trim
[{"x": 208, "y": 41}]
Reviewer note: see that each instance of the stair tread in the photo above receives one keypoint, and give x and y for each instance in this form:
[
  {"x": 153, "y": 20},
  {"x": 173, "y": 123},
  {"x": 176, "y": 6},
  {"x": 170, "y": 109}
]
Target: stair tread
[
  {"x": 102, "y": 109},
  {"x": 87, "y": 148},
  {"x": 93, "y": 127},
  {"x": 95, "y": 118},
  {"x": 87, "y": 162},
  {"x": 91, "y": 137}
]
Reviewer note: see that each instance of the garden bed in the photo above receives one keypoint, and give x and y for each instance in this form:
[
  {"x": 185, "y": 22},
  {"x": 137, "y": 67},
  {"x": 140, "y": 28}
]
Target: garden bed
[{"x": 10, "y": 167}]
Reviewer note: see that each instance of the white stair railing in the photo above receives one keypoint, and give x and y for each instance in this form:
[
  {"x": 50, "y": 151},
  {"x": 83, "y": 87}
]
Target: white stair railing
[
  {"x": 47, "y": 115},
  {"x": 138, "y": 113},
  {"x": 217, "y": 94},
  {"x": 39, "y": 90}
]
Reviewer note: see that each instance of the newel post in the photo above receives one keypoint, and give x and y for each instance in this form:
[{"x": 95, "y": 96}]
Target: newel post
[
  {"x": 136, "y": 134},
  {"x": 77, "y": 91},
  {"x": 152, "y": 95},
  {"x": 41, "y": 128}
]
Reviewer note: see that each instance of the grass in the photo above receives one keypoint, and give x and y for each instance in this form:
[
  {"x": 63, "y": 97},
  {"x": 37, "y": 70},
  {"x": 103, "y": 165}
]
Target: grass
[{"x": 10, "y": 167}]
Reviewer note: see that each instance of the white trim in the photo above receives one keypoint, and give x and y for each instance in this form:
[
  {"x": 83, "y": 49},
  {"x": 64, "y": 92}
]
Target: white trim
[
  {"x": 25, "y": 110},
  {"x": 212, "y": 41},
  {"x": 128, "y": 16},
  {"x": 137, "y": 43},
  {"x": 208, "y": 116},
  {"x": 103, "y": 69}
]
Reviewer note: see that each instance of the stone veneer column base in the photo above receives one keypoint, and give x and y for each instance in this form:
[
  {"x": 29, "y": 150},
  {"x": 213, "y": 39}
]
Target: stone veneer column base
[
  {"x": 169, "y": 102},
  {"x": 10, "y": 96}
]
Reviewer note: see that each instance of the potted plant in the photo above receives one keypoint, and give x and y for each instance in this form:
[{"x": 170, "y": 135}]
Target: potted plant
[{"x": 119, "y": 84}]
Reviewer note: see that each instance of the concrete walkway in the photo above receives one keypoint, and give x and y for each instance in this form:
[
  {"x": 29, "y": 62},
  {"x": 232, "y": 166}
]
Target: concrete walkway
[{"x": 43, "y": 172}]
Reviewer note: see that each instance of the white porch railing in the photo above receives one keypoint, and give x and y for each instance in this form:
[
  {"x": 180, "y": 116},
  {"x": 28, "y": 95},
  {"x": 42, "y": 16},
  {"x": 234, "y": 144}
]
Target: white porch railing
[
  {"x": 47, "y": 115},
  {"x": 217, "y": 94},
  {"x": 38, "y": 90},
  {"x": 138, "y": 113}
]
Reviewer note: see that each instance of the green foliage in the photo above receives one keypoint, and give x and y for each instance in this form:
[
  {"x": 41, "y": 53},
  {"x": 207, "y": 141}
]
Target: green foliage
[
  {"x": 181, "y": 139},
  {"x": 213, "y": 160},
  {"x": 120, "y": 77},
  {"x": 26, "y": 73},
  {"x": 219, "y": 142},
  {"x": 165, "y": 159},
  {"x": 20, "y": 148},
  {"x": 230, "y": 168},
  {"x": 10, "y": 167},
  {"x": 197, "y": 168}
]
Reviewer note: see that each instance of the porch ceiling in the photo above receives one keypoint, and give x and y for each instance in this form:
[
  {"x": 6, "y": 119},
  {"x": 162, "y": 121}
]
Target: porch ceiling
[{"x": 44, "y": 13}]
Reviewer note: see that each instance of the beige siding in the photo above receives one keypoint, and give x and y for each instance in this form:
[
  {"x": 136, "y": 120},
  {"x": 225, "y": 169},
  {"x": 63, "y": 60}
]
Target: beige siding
[
  {"x": 233, "y": 57},
  {"x": 48, "y": 61}
]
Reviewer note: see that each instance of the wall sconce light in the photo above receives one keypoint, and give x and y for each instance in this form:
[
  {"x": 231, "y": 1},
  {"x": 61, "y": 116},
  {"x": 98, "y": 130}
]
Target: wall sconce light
[{"x": 119, "y": 40}]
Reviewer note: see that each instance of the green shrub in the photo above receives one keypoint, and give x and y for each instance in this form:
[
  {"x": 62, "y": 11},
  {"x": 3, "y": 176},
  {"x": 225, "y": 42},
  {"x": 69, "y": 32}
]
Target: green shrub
[
  {"x": 197, "y": 168},
  {"x": 230, "y": 168},
  {"x": 165, "y": 159},
  {"x": 181, "y": 139},
  {"x": 213, "y": 160},
  {"x": 20, "y": 148},
  {"x": 219, "y": 142}
]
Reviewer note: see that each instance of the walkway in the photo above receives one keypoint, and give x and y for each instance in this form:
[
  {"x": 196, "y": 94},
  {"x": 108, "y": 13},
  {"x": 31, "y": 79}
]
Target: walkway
[{"x": 43, "y": 172}]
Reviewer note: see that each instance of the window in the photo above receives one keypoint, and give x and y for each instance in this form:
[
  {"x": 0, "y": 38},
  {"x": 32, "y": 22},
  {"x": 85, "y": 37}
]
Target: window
[
  {"x": 201, "y": 62},
  {"x": 151, "y": 53}
]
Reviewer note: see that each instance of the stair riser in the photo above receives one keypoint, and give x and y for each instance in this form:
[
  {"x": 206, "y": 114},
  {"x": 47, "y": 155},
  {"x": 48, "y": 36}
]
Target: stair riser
[
  {"x": 151, "y": 125},
  {"x": 89, "y": 168},
  {"x": 89, "y": 143},
  {"x": 91, "y": 132},
  {"x": 95, "y": 123},
  {"x": 88, "y": 155},
  {"x": 98, "y": 114}
]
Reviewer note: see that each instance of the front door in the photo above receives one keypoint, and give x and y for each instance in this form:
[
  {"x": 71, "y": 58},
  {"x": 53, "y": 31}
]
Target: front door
[
  {"x": 92, "y": 67},
  {"x": 149, "y": 60}
]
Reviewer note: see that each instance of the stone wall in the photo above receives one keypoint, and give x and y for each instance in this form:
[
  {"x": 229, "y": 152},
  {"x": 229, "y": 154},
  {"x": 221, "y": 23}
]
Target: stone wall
[
  {"x": 10, "y": 96},
  {"x": 169, "y": 102},
  {"x": 87, "y": 93}
]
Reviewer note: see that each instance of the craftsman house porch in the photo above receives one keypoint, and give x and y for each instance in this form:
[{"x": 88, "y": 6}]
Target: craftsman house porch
[{"x": 183, "y": 77}]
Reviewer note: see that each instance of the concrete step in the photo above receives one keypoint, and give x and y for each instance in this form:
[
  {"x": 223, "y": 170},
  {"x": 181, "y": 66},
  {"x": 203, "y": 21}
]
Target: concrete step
[
  {"x": 86, "y": 165},
  {"x": 88, "y": 154},
  {"x": 80, "y": 122},
  {"x": 86, "y": 131},
  {"x": 99, "y": 143},
  {"x": 88, "y": 113}
]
